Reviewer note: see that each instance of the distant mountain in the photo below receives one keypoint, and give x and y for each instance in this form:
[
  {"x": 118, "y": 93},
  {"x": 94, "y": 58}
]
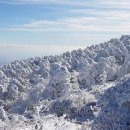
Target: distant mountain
[{"x": 80, "y": 90}]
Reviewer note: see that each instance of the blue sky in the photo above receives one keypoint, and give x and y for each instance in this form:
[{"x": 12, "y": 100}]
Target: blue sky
[{"x": 31, "y": 28}]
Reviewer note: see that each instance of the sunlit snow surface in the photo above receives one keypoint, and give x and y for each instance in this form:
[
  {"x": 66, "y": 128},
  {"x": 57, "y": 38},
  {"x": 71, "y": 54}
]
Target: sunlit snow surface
[
  {"x": 51, "y": 123},
  {"x": 80, "y": 90}
]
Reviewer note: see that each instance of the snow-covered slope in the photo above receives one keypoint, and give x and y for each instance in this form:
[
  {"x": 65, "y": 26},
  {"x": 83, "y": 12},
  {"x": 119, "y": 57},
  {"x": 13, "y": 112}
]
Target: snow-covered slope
[{"x": 80, "y": 90}]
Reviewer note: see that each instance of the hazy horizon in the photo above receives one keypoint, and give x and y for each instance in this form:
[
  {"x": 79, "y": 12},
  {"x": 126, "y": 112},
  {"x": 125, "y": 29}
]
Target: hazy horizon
[{"x": 13, "y": 52}]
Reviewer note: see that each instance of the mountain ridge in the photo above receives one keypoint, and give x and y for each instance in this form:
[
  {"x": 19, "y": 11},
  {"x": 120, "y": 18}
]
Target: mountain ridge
[{"x": 75, "y": 86}]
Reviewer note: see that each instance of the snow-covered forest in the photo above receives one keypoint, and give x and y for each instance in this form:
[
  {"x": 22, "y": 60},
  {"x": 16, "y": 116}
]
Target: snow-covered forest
[{"x": 80, "y": 90}]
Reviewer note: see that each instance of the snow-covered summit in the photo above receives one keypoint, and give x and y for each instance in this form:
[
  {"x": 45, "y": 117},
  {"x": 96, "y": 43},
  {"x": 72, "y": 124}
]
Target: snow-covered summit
[{"x": 83, "y": 89}]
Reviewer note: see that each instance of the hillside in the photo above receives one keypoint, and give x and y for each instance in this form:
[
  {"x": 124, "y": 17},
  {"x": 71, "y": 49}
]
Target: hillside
[{"x": 80, "y": 90}]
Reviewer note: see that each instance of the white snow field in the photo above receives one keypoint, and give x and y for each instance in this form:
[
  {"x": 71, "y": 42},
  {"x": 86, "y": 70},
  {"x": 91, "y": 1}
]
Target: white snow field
[{"x": 80, "y": 90}]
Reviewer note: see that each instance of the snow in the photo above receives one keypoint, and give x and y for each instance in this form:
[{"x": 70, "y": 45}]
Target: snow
[
  {"x": 49, "y": 123},
  {"x": 79, "y": 90}
]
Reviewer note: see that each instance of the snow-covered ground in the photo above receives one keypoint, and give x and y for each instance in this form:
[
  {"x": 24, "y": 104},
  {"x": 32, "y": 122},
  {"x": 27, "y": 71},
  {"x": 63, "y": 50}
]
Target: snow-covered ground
[
  {"x": 50, "y": 123},
  {"x": 80, "y": 90}
]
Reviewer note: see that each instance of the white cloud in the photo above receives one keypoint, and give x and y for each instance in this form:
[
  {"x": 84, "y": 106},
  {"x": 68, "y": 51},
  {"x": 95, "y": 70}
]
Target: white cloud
[
  {"x": 121, "y": 4},
  {"x": 96, "y": 20},
  {"x": 90, "y": 19},
  {"x": 107, "y": 21}
]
